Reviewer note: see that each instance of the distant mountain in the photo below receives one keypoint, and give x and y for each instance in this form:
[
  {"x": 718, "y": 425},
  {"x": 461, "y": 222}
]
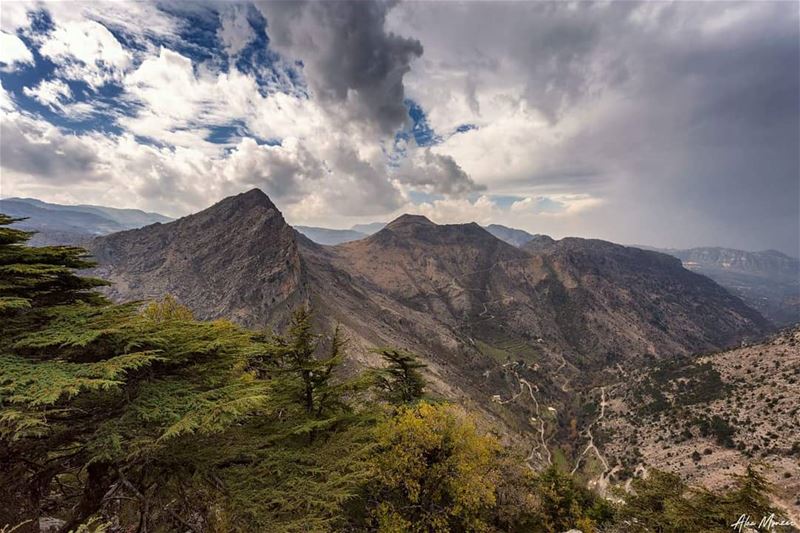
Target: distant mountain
[
  {"x": 327, "y": 236},
  {"x": 330, "y": 236},
  {"x": 768, "y": 281},
  {"x": 369, "y": 229},
  {"x": 73, "y": 224},
  {"x": 513, "y": 236}
]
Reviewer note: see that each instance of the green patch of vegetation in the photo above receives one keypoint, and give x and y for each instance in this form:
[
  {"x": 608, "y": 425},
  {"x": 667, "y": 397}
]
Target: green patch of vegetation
[
  {"x": 716, "y": 427},
  {"x": 679, "y": 383}
]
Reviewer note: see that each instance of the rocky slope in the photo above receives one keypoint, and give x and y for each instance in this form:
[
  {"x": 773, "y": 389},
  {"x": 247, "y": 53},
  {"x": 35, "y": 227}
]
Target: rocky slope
[
  {"x": 645, "y": 297},
  {"x": 513, "y": 236},
  {"x": 237, "y": 259},
  {"x": 768, "y": 281},
  {"x": 707, "y": 417}
]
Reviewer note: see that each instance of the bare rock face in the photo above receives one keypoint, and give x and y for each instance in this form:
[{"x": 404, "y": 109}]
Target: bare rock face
[
  {"x": 236, "y": 259},
  {"x": 646, "y": 300}
]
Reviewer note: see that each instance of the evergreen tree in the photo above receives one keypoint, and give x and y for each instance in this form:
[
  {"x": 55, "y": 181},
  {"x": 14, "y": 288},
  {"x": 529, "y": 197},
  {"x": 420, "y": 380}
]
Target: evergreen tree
[{"x": 401, "y": 380}]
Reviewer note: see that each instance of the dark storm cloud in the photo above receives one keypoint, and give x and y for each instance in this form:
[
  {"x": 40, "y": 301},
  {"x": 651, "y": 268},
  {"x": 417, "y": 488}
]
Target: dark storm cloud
[
  {"x": 687, "y": 113},
  {"x": 438, "y": 172},
  {"x": 345, "y": 47}
]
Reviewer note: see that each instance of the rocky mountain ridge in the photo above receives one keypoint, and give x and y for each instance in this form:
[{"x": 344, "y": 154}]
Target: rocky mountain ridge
[{"x": 489, "y": 319}]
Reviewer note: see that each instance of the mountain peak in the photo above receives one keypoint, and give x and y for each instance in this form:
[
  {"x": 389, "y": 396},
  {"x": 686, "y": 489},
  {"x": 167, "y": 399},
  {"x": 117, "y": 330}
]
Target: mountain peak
[
  {"x": 407, "y": 220},
  {"x": 252, "y": 198}
]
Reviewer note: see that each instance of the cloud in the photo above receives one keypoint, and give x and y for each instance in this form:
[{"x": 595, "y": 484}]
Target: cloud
[
  {"x": 437, "y": 173},
  {"x": 235, "y": 31},
  {"x": 13, "y": 52},
  {"x": 32, "y": 147},
  {"x": 51, "y": 93},
  {"x": 680, "y": 117},
  {"x": 85, "y": 50},
  {"x": 348, "y": 56},
  {"x": 671, "y": 124}
]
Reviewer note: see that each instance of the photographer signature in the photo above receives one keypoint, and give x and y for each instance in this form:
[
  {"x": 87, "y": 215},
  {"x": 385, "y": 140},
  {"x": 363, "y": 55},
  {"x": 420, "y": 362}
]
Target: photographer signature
[{"x": 767, "y": 523}]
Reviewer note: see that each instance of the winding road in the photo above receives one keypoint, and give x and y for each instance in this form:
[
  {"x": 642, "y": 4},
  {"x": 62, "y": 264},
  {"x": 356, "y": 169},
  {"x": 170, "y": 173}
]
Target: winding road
[
  {"x": 540, "y": 448},
  {"x": 602, "y": 481}
]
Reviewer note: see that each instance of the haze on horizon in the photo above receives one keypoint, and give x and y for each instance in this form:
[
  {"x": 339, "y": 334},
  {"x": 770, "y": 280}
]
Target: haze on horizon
[{"x": 667, "y": 124}]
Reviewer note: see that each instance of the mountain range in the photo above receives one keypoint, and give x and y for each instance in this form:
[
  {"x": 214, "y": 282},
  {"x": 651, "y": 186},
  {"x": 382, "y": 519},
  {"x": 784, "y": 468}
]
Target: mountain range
[
  {"x": 767, "y": 281},
  {"x": 73, "y": 224},
  {"x": 484, "y": 315}
]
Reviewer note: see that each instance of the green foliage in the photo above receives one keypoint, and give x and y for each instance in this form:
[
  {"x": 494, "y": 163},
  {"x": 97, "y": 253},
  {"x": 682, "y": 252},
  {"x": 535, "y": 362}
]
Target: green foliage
[
  {"x": 663, "y": 502},
  {"x": 401, "y": 380},
  {"x": 35, "y": 277},
  {"x": 717, "y": 427},
  {"x": 435, "y": 472}
]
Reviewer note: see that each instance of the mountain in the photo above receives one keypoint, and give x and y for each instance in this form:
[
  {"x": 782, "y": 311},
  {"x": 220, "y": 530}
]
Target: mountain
[
  {"x": 237, "y": 259},
  {"x": 332, "y": 237},
  {"x": 486, "y": 317},
  {"x": 328, "y": 236},
  {"x": 72, "y": 224},
  {"x": 369, "y": 229},
  {"x": 591, "y": 299},
  {"x": 768, "y": 281},
  {"x": 513, "y": 236}
]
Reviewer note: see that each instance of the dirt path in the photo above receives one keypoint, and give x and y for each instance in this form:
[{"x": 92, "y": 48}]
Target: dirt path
[
  {"x": 540, "y": 448},
  {"x": 603, "y": 478},
  {"x": 559, "y": 369}
]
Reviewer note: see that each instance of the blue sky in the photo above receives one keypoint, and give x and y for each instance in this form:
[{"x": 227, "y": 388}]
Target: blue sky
[{"x": 598, "y": 121}]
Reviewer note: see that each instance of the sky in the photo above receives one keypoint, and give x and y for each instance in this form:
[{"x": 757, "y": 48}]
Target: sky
[{"x": 667, "y": 124}]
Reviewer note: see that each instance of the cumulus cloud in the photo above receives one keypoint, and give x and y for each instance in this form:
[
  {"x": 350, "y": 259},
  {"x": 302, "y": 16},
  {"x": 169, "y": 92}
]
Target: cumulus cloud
[
  {"x": 86, "y": 50},
  {"x": 682, "y": 117},
  {"x": 13, "y": 51},
  {"x": 52, "y": 93},
  {"x": 34, "y": 148},
  {"x": 348, "y": 56}
]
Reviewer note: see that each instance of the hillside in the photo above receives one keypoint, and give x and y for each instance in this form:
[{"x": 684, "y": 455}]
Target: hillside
[
  {"x": 236, "y": 259},
  {"x": 330, "y": 237},
  {"x": 707, "y": 417},
  {"x": 513, "y": 236},
  {"x": 768, "y": 281}
]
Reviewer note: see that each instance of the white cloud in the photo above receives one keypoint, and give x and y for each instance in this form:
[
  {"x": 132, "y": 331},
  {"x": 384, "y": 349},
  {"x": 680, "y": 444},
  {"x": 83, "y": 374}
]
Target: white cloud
[
  {"x": 14, "y": 15},
  {"x": 85, "y": 50},
  {"x": 51, "y": 93},
  {"x": 13, "y": 52}
]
